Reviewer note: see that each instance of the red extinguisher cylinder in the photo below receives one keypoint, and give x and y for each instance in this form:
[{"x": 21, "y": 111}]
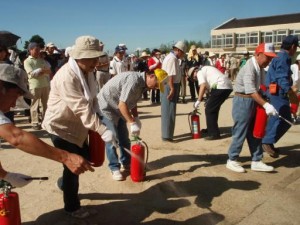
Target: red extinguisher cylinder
[
  {"x": 137, "y": 166},
  {"x": 96, "y": 149},
  {"x": 10, "y": 209},
  {"x": 260, "y": 122},
  {"x": 195, "y": 121}
]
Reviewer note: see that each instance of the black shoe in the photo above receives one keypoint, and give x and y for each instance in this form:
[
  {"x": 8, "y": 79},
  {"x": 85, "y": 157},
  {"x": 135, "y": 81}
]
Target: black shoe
[
  {"x": 211, "y": 138},
  {"x": 167, "y": 139},
  {"x": 268, "y": 148},
  {"x": 36, "y": 127},
  {"x": 204, "y": 131}
]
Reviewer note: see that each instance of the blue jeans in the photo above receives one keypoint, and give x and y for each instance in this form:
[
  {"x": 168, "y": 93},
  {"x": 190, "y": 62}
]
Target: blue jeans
[
  {"x": 121, "y": 133},
  {"x": 243, "y": 114},
  {"x": 70, "y": 180}
]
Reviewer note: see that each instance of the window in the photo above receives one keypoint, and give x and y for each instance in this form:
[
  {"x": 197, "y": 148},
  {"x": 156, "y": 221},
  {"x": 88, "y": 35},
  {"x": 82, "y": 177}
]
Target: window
[
  {"x": 217, "y": 41},
  {"x": 228, "y": 41},
  {"x": 252, "y": 39},
  {"x": 267, "y": 37},
  {"x": 240, "y": 40},
  {"x": 296, "y": 32},
  {"x": 279, "y": 36}
]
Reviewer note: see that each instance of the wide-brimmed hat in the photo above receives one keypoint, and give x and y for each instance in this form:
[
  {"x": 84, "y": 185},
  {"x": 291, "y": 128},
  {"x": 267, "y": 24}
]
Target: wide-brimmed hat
[
  {"x": 50, "y": 45},
  {"x": 12, "y": 74},
  {"x": 191, "y": 71},
  {"x": 144, "y": 54},
  {"x": 86, "y": 47},
  {"x": 267, "y": 49},
  {"x": 180, "y": 45},
  {"x": 161, "y": 75}
]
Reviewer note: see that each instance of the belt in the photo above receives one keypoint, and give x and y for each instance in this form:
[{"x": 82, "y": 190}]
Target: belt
[{"x": 242, "y": 95}]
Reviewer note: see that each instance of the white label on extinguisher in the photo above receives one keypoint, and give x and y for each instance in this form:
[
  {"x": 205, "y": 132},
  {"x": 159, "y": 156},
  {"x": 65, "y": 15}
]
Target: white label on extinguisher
[{"x": 195, "y": 127}]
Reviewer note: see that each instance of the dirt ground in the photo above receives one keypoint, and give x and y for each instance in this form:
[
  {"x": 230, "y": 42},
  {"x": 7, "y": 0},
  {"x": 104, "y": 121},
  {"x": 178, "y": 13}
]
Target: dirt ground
[{"x": 186, "y": 181}]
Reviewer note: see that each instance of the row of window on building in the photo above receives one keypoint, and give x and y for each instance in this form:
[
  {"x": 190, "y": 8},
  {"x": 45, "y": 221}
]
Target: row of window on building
[{"x": 251, "y": 38}]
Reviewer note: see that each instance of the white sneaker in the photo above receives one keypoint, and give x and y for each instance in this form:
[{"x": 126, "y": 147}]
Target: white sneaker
[
  {"x": 117, "y": 175},
  {"x": 234, "y": 166},
  {"x": 260, "y": 166}
]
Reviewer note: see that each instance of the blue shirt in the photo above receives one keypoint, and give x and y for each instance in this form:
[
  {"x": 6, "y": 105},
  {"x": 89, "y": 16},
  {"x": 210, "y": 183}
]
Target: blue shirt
[{"x": 280, "y": 72}]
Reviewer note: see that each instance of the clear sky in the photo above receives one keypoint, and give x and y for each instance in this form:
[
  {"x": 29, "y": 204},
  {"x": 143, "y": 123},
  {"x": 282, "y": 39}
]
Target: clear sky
[{"x": 137, "y": 23}]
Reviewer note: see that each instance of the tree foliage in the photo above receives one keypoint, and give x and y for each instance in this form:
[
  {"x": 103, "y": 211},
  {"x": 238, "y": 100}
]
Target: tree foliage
[
  {"x": 37, "y": 39},
  {"x": 199, "y": 44}
]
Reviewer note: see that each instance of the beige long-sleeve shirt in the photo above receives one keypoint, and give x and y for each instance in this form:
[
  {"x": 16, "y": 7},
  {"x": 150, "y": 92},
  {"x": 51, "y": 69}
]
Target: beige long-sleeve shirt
[{"x": 69, "y": 114}]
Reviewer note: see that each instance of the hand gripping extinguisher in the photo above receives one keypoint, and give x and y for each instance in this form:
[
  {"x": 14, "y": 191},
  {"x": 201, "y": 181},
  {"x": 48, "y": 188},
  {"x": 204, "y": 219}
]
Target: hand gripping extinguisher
[
  {"x": 194, "y": 122},
  {"x": 261, "y": 119},
  {"x": 139, "y": 159},
  {"x": 96, "y": 148},
  {"x": 9, "y": 206}
]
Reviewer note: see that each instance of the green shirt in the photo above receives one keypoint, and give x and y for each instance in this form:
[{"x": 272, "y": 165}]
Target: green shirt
[{"x": 40, "y": 81}]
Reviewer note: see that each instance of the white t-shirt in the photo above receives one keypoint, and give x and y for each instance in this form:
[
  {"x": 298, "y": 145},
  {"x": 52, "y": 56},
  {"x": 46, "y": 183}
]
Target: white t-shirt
[
  {"x": 171, "y": 66},
  {"x": 295, "y": 75},
  {"x": 3, "y": 119},
  {"x": 117, "y": 66},
  {"x": 213, "y": 78}
]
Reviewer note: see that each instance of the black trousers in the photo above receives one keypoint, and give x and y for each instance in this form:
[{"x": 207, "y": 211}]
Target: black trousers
[
  {"x": 70, "y": 180},
  {"x": 155, "y": 95},
  {"x": 194, "y": 88},
  {"x": 216, "y": 99}
]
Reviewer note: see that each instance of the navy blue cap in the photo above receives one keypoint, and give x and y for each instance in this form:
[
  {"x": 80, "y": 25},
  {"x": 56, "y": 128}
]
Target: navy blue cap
[
  {"x": 120, "y": 49},
  {"x": 291, "y": 40}
]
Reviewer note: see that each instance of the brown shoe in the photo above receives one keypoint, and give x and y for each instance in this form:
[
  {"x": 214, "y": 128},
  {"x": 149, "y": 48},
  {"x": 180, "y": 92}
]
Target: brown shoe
[{"x": 268, "y": 148}]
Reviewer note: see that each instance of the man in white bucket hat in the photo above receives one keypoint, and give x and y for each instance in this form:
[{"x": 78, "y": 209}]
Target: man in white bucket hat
[{"x": 73, "y": 111}]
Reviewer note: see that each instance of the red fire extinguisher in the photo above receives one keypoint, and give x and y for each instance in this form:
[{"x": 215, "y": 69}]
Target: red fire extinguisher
[
  {"x": 194, "y": 122},
  {"x": 139, "y": 159},
  {"x": 260, "y": 123},
  {"x": 96, "y": 148},
  {"x": 9, "y": 207},
  {"x": 261, "y": 119}
]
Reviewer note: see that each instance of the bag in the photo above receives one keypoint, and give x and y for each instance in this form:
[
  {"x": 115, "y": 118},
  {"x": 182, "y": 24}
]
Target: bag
[{"x": 273, "y": 88}]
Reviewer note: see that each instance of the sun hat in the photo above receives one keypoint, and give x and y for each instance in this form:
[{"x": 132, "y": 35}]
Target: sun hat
[
  {"x": 180, "y": 45},
  {"x": 267, "y": 49},
  {"x": 191, "y": 71},
  {"x": 211, "y": 54},
  {"x": 161, "y": 75},
  {"x": 144, "y": 54},
  {"x": 86, "y": 47},
  {"x": 12, "y": 74},
  {"x": 193, "y": 47},
  {"x": 50, "y": 45}
]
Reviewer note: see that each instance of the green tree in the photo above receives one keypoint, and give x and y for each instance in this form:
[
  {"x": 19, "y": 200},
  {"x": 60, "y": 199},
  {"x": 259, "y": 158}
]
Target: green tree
[{"x": 37, "y": 39}]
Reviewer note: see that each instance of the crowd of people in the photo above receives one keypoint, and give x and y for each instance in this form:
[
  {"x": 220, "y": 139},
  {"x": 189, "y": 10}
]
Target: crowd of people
[{"x": 83, "y": 89}]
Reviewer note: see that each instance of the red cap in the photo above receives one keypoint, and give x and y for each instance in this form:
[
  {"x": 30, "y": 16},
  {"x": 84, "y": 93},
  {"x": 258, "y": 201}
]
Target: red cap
[{"x": 267, "y": 49}]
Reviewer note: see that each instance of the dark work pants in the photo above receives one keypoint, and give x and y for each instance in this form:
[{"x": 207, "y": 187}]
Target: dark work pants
[
  {"x": 214, "y": 102},
  {"x": 194, "y": 88},
  {"x": 70, "y": 180},
  {"x": 155, "y": 96}
]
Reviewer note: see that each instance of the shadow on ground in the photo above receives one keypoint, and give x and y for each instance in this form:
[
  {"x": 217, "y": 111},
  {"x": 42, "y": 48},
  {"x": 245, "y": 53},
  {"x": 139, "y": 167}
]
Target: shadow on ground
[{"x": 164, "y": 198}]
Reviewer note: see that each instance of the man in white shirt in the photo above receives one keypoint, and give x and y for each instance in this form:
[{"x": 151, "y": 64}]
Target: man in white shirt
[
  {"x": 220, "y": 87},
  {"x": 117, "y": 64}
]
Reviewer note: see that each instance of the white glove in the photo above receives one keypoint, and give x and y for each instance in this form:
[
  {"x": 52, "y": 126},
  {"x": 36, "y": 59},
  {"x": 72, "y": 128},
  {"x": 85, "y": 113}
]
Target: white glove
[
  {"x": 138, "y": 122},
  {"x": 197, "y": 104},
  {"x": 108, "y": 136},
  {"x": 134, "y": 129},
  {"x": 17, "y": 179},
  {"x": 270, "y": 110}
]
